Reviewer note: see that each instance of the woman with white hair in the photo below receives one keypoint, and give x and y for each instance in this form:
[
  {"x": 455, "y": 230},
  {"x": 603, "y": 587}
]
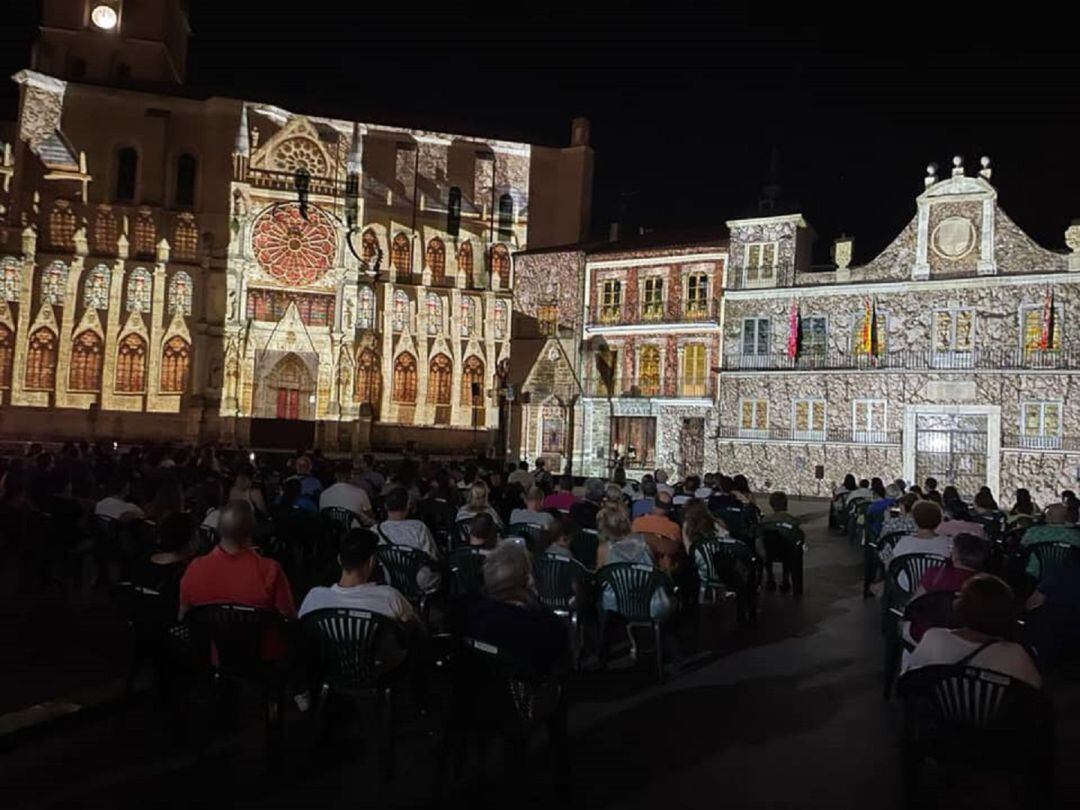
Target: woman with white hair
[{"x": 477, "y": 503}]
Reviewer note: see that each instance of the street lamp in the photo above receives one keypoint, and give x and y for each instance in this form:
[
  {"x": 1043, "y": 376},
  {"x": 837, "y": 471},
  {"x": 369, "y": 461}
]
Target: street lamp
[{"x": 106, "y": 16}]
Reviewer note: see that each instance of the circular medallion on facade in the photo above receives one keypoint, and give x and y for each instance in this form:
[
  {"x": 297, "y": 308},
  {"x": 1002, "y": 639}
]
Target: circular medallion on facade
[
  {"x": 292, "y": 249},
  {"x": 553, "y": 354},
  {"x": 953, "y": 238}
]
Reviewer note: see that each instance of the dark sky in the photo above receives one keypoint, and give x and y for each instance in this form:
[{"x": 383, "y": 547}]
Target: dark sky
[{"x": 687, "y": 101}]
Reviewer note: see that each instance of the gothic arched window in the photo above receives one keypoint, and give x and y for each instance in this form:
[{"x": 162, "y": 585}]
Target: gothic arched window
[
  {"x": 365, "y": 318},
  {"x": 405, "y": 379},
  {"x": 144, "y": 241},
  {"x": 472, "y": 373},
  {"x": 179, "y": 293},
  {"x": 439, "y": 375},
  {"x": 87, "y": 354},
  {"x": 106, "y": 232},
  {"x": 468, "y": 317},
  {"x": 131, "y": 365},
  {"x": 54, "y": 283},
  {"x": 175, "y": 360},
  {"x": 9, "y": 279},
  {"x": 41, "y": 360},
  {"x": 436, "y": 260},
  {"x": 465, "y": 262},
  {"x": 62, "y": 226},
  {"x": 127, "y": 172},
  {"x": 499, "y": 327},
  {"x": 367, "y": 378},
  {"x": 369, "y": 246},
  {"x": 140, "y": 283},
  {"x": 186, "y": 239},
  {"x": 7, "y": 355},
  {"x": 187, "y": 169},
  {"x": 434, "y": 313},
  {"x": 401, "y": 310},
  {"x": 500, "y": 266},
  {"x": 96, "y": 288},
  {"x": 401, "y": 254}
]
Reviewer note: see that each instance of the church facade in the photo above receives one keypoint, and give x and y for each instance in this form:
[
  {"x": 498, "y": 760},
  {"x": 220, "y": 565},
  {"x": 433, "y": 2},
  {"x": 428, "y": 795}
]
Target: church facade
[
  {"x": 952, "y": 354},
  {"x": 185, "y": 268}
]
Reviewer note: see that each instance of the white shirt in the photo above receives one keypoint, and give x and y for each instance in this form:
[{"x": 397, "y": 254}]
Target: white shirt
[
  {"x": 381, "y": 599},
  {"x": 117, "y": 508},
  {"x": 522, "y": 478},
  {"x": 941, "y": 646},
  {"x": 211, "y": 518},
  {"x": 670, "y": 490},
  {"x": 415, "y": 534},
  {"x": 859, "y": 493},
  {"x": 938, "y": 544},
  {"x": 543, "y": 519},
  {"x": 345, "y": 496},
  {"x": 703, "y": 493}
]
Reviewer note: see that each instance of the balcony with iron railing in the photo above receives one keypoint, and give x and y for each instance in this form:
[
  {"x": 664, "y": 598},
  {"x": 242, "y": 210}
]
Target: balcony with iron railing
[
  {"x": 646, "y": 387},
  {"x": 1018, "y": 441},
  {"x": 1066, "y": 358},
  {"x": 706, "y": 312},
  {"x": 791, "y": 434}
]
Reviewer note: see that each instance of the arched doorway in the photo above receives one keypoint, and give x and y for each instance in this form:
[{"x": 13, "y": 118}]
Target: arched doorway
[{"x": 287, "y": 391}]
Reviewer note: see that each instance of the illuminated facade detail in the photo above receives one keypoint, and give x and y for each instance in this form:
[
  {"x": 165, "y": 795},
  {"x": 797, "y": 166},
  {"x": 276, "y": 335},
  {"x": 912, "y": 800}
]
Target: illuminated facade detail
[
  {"x": 465, "y": 263},
  {"x": 367, "y": 378},
  {"x": 7, "y": 355},
  {"x": 175, "y": 361},
  {"x": 9, "y": 279},
  {"x": 500, "y": 267},
  {"x": 41, "y": 360},
  {"x": 54, "y": 283},
  {"x": 87, "y": 356},
  {"x": 472, "y": 381},
  {"x": 405, "y": 379},
  {"x": 291, "y": 248},
  {"x": 434, "y": 313},
  {"x": 436, "y": 260},
  {"x": 365, "y": 316},
  {"x": 139, "y": 285},
  {"x": 401, "y": 311},
  {"x": 439, "y": 375},
  {"x": 131, "y": 365},
  {"x": 180, "y": 291},
  {"x": 96, "y": 288},
  {"x": 401, "y": 254}
]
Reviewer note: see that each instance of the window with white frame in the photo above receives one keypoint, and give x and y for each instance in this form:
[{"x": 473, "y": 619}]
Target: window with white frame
[
  {"x": 953, "y": 336},
  {"x": 1039, "y": 334},
  {"x": 652, "y": 299},
  {"x": 759, "y": 263},
  {"x": 813, "y": 335},
  {"x": 753, "y": 418},
  {"x": 1040, "y": 424},
  {"x": 808, "y": 419},
  {"x": 868, "y": 420},
  {"x": 697, "y": 295},
  {"x": 610, "y": 300},
  {"x": 755, "y": 337}
]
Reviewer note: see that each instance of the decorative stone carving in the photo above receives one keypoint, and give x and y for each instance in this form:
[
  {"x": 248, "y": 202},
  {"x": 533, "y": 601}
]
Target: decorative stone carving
[{"x": 1072, "y": 239}]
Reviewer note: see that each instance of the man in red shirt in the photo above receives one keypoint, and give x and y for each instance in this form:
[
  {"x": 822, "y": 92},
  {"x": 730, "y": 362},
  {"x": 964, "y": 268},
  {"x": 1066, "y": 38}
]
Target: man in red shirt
[
  {"x": 564, "y": 498},
  {"x": 234, "y": 574}
]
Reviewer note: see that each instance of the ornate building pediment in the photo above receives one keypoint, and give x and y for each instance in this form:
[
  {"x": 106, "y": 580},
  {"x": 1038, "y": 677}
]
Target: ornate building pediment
[
  {"x": 290, "y": 335},
  {"x": 297, "y": 145}
]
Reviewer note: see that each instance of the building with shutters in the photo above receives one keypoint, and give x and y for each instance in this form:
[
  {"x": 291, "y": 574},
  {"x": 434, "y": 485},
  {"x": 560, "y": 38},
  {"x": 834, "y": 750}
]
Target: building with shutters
[{"x": 189, "y": 267}]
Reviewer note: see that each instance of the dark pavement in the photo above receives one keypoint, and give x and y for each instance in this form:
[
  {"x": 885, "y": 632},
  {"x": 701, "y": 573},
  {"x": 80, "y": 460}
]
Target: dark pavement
[{"x": 787, "y": 714}]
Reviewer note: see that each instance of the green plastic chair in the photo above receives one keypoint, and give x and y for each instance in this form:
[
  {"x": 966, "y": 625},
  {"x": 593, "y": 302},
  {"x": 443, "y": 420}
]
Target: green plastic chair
[
  {"x": 633, "y": 586},
  {"x": 533, "y": 534},
  {"x": 898, "y": 592},
  {"x": 584, "y": 545},
  {"x": 556, "y": 576},
  {"x": 702, "y": 553},
  {"x": 401, "y": 564},
  {"x": 1049, "y": 556},
  {"x": 466, "y": 570},
  {"x": 784, "y": 544}
]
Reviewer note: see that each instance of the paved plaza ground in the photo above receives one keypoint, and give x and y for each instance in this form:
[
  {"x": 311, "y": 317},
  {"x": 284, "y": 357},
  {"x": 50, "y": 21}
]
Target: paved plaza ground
[{"x": 787, "y": 714}]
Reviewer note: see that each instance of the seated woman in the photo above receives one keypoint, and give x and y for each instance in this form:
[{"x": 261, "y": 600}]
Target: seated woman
[
  {"x": 1023, "y": 509},
  {"x": 618, "y": 545},
  {"x": 483, "y": 533},
  {"x": 986, "y": 612},
  {"x": 478, "y": 503},
  {"x": 162, "y": 570},
  {"x": 699, "y": 524}
]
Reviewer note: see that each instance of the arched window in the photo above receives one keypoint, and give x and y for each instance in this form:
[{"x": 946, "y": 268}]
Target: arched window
[
  {"x": 500, "y": 267},
  {"x": 439, "y": 373},
  {"x": 185, "y": 245},
  {"x": 500, "y": 316},
  {"x": 54, "y": 284},
  {"x": 468, "y": 317},
  {"x": 436, "y": 260},
  {"x": 131, "y": 365},
  {"x": 87, "y": 354},
  {"x": 552, "y": 429},
  {"x": 10, "y": 282},
  {"x": 401, "y": 254},
  {"x": 140, "y": 283},
  {"x": 127, "y": 172},
  {"x": 365, "y": 318},
  {"x": 106, "y": 231},
  {"x": 144, "y": 243},
  {"x": 369, "y": 246},
  {"x": 367, "y": 378},
  {"x": 179, "y": 294},
  {"x": 649, "y": 371},
  {"x": 434, "y": 313},
  {"x": 7, "y": 355},
  {"x": 465, "y": 262},
  {"x": 453, "y": 211},
  {"x": 506, "y": 216},
  {"x": 62, "y": 226},
  {"x": 186, "y": 171},
  {"x": 472, "y": 373},
  {"x": 96, "y": 288},
  {"x": 175, "y": 360},
  {"x": 400, "y": 319},
  {"x": 405, "y": 379},
  {"x": 41, "y": 361}
]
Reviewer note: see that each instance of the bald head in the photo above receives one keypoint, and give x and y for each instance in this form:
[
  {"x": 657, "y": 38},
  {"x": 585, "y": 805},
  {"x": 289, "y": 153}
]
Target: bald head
[{"x": 235, "y": 523}]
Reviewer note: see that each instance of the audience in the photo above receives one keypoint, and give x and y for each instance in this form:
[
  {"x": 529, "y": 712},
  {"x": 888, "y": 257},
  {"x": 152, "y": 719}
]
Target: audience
[
  {"x": 477, "y": 503},
  {"x": 533, "y": 514},
  {"x": 483, "y": 533},
  {"x": 1056, "y": 529},
  {"x": 583, "y": 512},
  {"x": 400, "y": 530},
  {"x": 563, "y": 497},
  {"x": 925, "y": 540},
  {"x": 969, "y": 555},
  {"x": 115, "y": 504}
]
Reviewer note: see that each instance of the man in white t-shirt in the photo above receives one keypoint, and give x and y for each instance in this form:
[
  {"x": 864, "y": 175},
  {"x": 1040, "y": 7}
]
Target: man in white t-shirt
[
  {"x": 399, "y": 530},
  {"x": 115, "y": 504},
  {"x": 347, "y": 493},
  {"x": 532, "y": 514},
  {"x": 355, "y": 589}
]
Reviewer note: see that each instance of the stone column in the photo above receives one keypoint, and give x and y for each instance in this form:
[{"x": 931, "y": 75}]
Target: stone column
[
  {"x": 158, "y": 316},
  {"x": 19, "y": 396},
  {"x": 112, "y": 336},
  {"x": 67, "y": 326}
]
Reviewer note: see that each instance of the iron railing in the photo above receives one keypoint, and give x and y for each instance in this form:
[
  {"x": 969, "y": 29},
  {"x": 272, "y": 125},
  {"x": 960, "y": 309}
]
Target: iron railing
[
  {"x": 831, "y": 435},
  {"x": 705, "y": 313},
  {"x": 1015, "y": 441},
  {"x": 646, "y": 387},
  {"x": 911, "y": 359}
]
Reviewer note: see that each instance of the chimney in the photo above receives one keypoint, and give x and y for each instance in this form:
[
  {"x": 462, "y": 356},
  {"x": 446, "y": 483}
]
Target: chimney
[
  {"x": 841, "y": 253},
  {"x": 613, "y": 231},
  {"x": 579, "y": 131}
]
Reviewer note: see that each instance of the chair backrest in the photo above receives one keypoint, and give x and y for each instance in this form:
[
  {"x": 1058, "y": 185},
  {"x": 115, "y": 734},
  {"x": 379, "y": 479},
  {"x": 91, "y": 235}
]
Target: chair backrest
[
  {"x": 146, "y": 611},
  {"x": 790, "y": 535},
  {"x": 963, "y": 697},
  {"x": 904, "y": 573},
  {"x": 555, "y": 576},
  {"x": 584, "y": 545},
  {"x": 340, "y": 517},
  {"x": 236, "y": 631},
  {"x": 353, "y": 647},
  {"x": 889, "y": 541},
  {"x": 208, "y": 538},
  {"x": 533, "y": 534},
  {"x": 401, "y": 564},
  {"x": 633, "y": 586},
  {"x": 461, "y": 532},
  {"x": 1050, "y": 555},
  {"x": 735, "y": 518},
  {"x": 504, "y": 688},
  {"x": 933, "y": 609},
  {"x": 466, "y": 570},
  {"x": 703, "y": 554}
]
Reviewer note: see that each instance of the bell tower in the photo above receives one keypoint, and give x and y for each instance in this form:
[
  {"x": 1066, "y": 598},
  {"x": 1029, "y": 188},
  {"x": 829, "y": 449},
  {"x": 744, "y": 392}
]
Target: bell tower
[{"x": 113, "y": 41}]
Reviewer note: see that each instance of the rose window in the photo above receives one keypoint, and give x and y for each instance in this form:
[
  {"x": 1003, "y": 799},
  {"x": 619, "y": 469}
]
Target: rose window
[{"x": 292, "y": 249}]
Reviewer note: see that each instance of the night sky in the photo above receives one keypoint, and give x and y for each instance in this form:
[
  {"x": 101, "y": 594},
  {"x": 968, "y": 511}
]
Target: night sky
[{"x": 686, "y": 102}]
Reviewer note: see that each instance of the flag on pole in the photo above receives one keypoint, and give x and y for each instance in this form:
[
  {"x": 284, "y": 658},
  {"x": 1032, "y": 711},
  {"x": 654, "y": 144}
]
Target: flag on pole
[
  {"x": 868, "y": 327},
  {"x": 1046, "y": 339},
  {"x": 793, "y": 331}
]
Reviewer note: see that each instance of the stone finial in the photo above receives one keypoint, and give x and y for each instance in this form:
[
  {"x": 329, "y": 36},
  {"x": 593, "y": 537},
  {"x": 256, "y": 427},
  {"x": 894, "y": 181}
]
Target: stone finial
[
  {"x": 163, "y": 250},
  {"x": 1072, "y": 239},
  {"x": 931, "y": 175},
  {"x": 985, "y": 171},
  {"x": 356, "y": 151},
  {"x": 29, "y": 241},
  {"x": 242, "y": 146},
  {"x": 957, "y": 166},
  {"x": 122, "y": 245},
  {"x": 842, "y": 252},
  {"x": 82, "y": 246}
]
